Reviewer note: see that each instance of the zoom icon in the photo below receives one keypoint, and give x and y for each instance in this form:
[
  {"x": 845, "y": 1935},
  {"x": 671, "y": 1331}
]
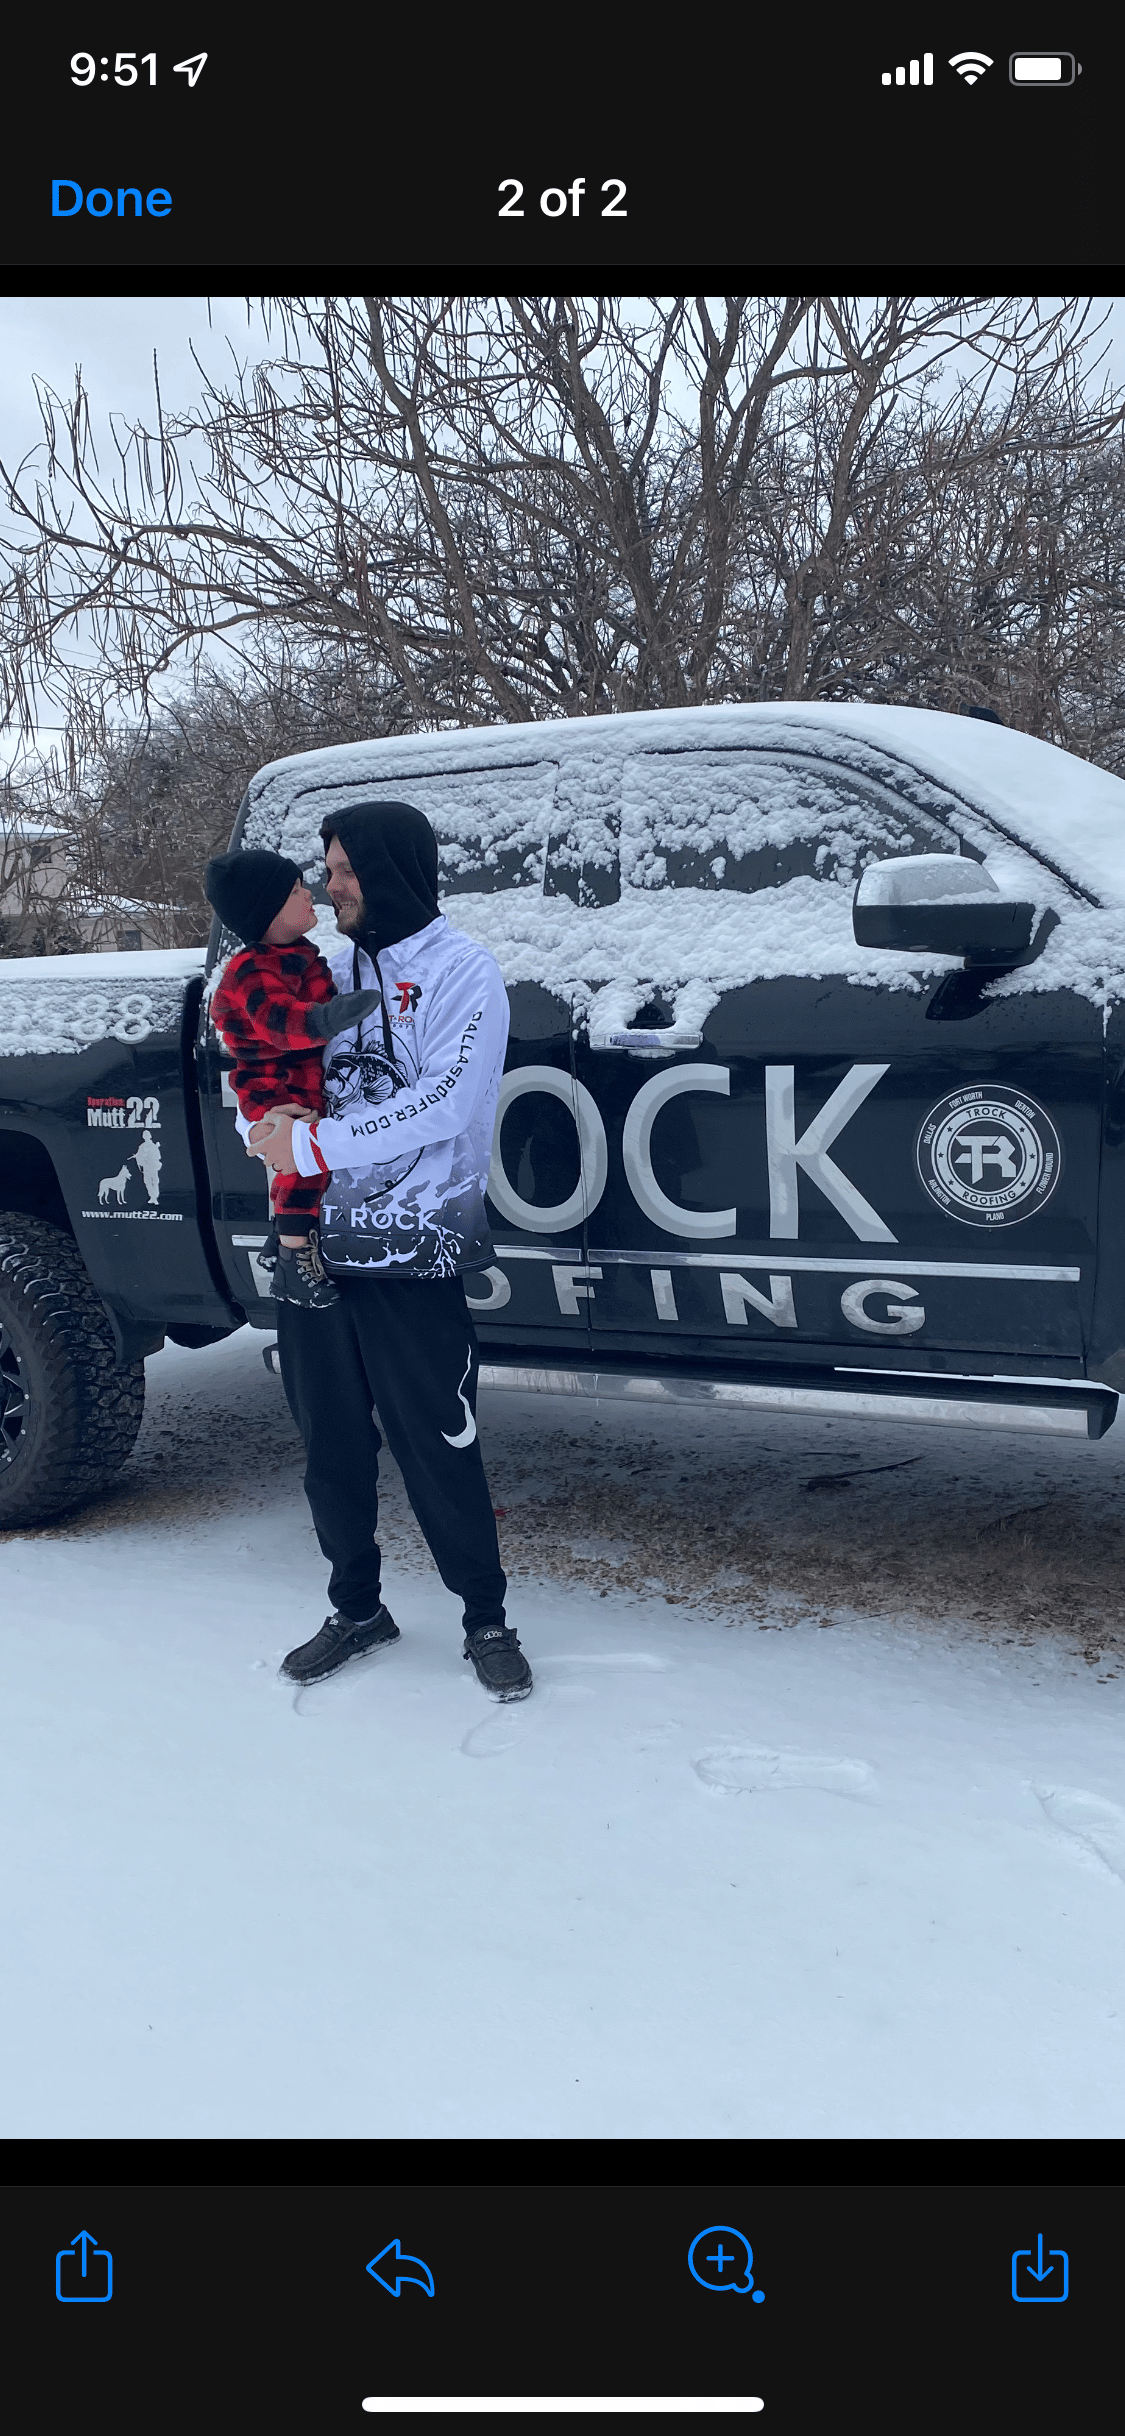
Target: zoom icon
[{"x": 720, "y": 2258}]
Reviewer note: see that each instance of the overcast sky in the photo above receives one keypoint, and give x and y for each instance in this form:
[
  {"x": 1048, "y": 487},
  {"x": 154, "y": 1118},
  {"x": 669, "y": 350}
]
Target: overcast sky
[{"x": 113, "y": 338}]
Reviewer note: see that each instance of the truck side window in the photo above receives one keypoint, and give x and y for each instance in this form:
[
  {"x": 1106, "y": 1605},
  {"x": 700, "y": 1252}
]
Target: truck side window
[
  {"x": 491, "y": 824},
  {"x": 753, "y": 820}
]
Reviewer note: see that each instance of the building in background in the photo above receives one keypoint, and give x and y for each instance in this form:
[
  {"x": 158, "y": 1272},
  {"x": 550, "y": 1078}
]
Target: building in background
[{"x": 46, "y": 906}]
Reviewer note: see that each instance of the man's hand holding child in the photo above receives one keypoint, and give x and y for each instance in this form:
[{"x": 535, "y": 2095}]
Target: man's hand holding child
[{"x": 271, "y": 1138}]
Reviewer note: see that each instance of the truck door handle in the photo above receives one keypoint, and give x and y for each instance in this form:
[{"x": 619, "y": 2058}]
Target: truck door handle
[{"x": 670, "y": 1038}]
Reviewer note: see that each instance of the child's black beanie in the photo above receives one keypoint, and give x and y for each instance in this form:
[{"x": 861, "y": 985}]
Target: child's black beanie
[{"x": 247, "y": 889}]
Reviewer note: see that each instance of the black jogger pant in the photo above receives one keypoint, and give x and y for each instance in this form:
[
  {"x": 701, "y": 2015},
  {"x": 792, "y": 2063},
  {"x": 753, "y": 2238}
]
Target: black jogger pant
[{"x": 405, "y": 1345}]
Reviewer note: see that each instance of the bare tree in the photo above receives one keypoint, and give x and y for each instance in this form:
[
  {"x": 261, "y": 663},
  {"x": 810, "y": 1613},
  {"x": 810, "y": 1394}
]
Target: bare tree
[
  {"x": 982, "y": 563},
  {"x": 521, "y": 507},
  {"x": 157, "y": 797}
]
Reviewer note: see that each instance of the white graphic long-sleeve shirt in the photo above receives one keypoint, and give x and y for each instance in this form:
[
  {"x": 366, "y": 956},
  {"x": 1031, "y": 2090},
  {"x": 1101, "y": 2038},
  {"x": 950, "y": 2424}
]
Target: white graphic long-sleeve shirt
[{"x": 407, "y": 1141}]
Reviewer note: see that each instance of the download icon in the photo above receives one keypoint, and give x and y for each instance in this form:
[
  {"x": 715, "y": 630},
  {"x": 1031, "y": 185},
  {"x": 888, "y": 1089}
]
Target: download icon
[{"x": 1050, "y": 2282}]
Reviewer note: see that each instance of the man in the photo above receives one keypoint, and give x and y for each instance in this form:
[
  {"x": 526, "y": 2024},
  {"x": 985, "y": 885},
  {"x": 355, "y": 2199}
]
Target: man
[
  {"x": 411, "y": 1094},
  {"x": 148, "y": 1161}
]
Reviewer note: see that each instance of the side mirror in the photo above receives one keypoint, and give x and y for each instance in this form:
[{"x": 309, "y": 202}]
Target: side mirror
[{"x": 949, "y": 905}]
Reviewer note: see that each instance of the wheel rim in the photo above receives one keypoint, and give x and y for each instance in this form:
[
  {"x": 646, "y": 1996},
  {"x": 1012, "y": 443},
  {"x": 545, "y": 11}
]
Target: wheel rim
[{"x": 15, "y": 1401}]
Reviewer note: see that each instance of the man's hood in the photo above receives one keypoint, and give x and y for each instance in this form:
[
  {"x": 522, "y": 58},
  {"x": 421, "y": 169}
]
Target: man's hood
[{"x": 394, "y": 855}]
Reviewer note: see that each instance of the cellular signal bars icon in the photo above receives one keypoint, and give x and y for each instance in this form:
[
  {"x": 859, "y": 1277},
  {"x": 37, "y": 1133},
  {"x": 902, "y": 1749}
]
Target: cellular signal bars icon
[{"x": 900, "y": 76}]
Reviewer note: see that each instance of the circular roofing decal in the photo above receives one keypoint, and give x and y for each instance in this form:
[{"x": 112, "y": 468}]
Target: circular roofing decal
[{"x": 989, "y": 1156}]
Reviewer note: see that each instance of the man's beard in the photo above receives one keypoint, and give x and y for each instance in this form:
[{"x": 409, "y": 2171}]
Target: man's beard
[{"x": 352, "y": 917}]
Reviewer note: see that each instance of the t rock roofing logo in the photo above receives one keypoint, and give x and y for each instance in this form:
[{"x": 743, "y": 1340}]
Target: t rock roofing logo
[{"x": 989, "y": 1156}]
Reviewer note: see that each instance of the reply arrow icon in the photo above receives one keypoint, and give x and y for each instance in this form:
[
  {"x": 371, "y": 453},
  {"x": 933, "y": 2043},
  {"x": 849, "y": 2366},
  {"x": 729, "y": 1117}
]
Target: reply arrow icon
[
  {"x": 399, "y": 2270},
  {"x": 1040, "y": 2273}
]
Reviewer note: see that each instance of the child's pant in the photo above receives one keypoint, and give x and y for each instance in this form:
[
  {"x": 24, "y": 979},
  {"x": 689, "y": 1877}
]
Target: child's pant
[{"x": 295, "y": 1197}]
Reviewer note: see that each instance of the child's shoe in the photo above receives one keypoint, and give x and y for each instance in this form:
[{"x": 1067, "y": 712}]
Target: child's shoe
[
  {"x": 268, "y": 1251},
  {"x": 301, "y": 1277}
]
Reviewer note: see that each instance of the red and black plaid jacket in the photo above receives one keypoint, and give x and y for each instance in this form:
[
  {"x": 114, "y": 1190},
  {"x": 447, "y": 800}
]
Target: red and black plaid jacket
[{"x": 260, "y": 1011}]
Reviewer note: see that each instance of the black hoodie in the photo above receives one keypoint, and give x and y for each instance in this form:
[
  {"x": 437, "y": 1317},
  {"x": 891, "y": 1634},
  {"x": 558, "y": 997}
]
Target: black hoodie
[{"x": 394, "y": 855}]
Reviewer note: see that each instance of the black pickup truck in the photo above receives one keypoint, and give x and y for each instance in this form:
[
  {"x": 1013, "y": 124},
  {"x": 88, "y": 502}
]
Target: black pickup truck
[{"x": 814, "y": 1096}]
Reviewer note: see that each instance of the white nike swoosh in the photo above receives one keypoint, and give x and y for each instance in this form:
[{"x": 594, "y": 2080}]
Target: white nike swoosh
[{"x": 466, "y": 1436}]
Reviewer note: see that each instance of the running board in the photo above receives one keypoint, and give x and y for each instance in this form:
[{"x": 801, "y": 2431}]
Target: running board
[{"x": 1064, "y": 1411}]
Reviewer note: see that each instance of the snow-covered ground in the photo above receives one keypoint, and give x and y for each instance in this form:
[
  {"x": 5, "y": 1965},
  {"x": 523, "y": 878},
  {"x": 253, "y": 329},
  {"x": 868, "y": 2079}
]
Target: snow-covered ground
[{"x": 814, "y": 1824}]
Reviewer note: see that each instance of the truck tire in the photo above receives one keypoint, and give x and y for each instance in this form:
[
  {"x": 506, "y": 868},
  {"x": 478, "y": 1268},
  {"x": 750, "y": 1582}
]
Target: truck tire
[{"x": 68, "y": 1418}]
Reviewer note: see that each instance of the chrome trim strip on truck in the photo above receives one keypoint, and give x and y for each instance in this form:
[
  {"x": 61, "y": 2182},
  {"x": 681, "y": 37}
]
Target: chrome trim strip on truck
[
  {"x": 780, "y": 1258},
  {"x": 1062, "y": 1419}
]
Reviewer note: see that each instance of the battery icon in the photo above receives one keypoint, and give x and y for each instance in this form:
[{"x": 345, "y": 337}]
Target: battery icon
[{"x": 1043, "y": 68}]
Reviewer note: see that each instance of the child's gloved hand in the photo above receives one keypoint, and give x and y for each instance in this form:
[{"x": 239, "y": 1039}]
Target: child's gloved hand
[{"x": 342, "y": 1014}]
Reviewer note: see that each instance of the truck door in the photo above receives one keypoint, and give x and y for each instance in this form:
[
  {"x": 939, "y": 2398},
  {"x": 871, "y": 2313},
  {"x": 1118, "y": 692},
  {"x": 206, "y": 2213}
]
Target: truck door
[{"x": 813, "y": 1163}]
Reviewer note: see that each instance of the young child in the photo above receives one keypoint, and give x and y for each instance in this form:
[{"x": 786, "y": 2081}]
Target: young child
[{"x": 273, "y": 1009}]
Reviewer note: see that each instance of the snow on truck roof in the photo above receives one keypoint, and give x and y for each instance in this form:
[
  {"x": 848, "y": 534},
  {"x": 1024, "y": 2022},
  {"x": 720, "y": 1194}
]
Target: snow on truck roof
[
  {"x": 677, "y": 795},
  {"x": 1057, "y": 804}
]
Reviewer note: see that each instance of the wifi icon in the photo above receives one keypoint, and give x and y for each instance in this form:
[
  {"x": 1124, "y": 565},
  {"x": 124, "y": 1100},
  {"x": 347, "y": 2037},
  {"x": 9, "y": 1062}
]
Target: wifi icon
[{"x": 971, "y": 65}]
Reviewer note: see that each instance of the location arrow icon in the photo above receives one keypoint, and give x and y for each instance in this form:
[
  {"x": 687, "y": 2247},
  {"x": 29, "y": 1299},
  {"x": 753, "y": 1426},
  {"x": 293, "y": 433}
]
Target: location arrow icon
[
  {"x": 399, "y": 2270},
  {"x": 191, "y": 68}
]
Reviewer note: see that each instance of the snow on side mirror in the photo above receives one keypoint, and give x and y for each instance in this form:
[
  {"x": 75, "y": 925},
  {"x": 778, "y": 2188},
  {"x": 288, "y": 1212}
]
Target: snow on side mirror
[{"x": 949, "y": 905}]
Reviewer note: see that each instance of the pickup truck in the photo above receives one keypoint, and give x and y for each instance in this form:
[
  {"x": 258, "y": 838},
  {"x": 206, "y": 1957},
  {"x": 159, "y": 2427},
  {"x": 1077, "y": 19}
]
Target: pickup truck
[{"x": 814, "y": 1097}]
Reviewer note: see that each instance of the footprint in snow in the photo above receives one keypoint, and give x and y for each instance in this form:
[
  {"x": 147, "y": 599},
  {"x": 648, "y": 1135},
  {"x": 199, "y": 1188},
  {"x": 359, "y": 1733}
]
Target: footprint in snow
[
  {"x": 1095, "y": 1824},
  {"x": 738, "y": 1768},
  {"x": 506, "y": 1726}
]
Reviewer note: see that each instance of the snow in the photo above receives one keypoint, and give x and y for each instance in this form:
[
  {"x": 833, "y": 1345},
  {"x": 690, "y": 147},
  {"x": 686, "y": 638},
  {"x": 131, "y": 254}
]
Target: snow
[
  {"x": 51, "y": 1005},
  {"x": 814, "y": 1823},
  {"x": 104, "y": 965},
  {"x": 926, "y": 879},
  {"x": 801, "y": 797},
  {"x": 1062, "y": 807},
  {"x": 1054, "y": 802}
]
